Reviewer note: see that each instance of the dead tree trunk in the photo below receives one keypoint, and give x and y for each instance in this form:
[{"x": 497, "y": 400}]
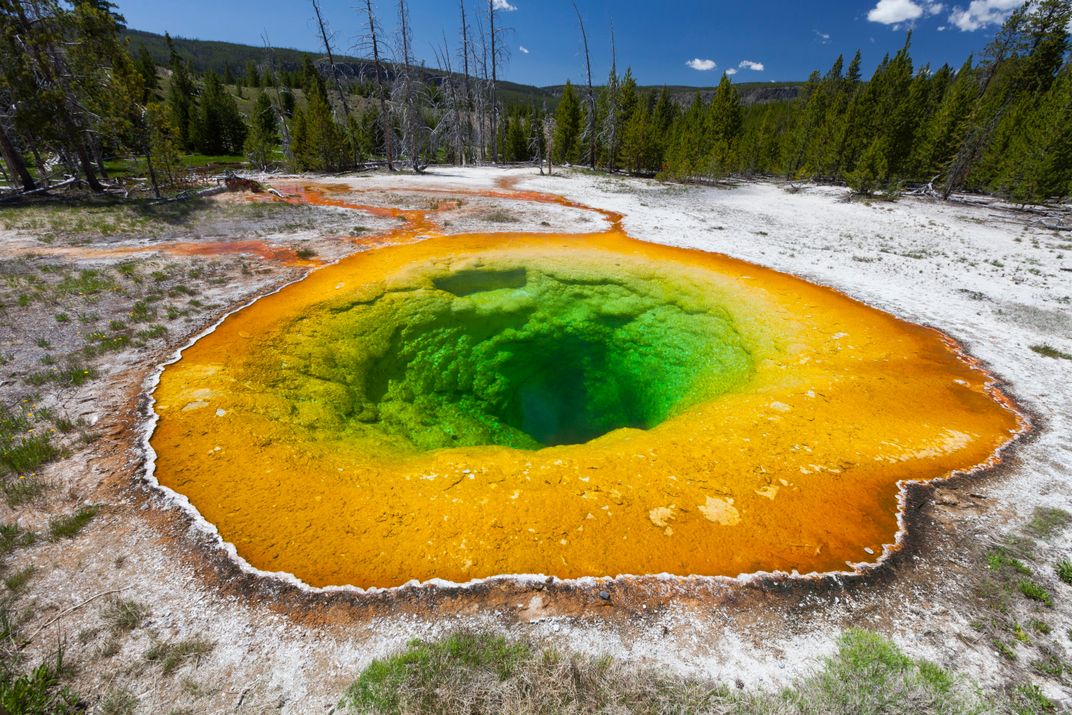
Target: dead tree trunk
[
  {"x": 590, "y": 100},
  {"x": 385, "y": 115},
  {"x": 277, "y": 104},
  {"x": 491, "y": 89},
  {"x": 482, "y": 97},
  {"x": 15, "y": 163},
  {"x": 331, "y": 60},
  {"x": 468, "y": 89},
  {"x": 549, "y": 141}
]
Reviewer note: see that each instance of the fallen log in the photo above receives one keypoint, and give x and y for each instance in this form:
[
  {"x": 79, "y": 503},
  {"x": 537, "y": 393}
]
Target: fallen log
[
  {"x": 187, "y": 195},
  {"x": 69, "y": 181},
  {"x": 226, "y": 183},
  {"x": 233, "y": 182},
  {"x": 1055, "y": 227}
]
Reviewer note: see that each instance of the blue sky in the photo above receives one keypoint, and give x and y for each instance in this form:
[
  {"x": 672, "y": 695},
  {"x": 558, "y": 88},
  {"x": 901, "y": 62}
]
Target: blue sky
[{"x": 668, "y": 42}]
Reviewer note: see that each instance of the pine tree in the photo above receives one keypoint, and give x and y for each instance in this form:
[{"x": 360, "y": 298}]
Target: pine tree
[
  {"x": 310, "y": 75},
  {"x": 640, "y": 147},
  {"x": 150, "y": 80},
  {"x": 217, "y": 127},
  {"x": 872, "y": 171},
  {"x": 318, "y": 142},
  {"x": 286, "y": 98},
  {"x": 663, "y": 116},
  {"x": 299, "y": 141},
  {"x": 263, "y": 134},
  {"x": 109, "y": 85},
  {"x": 852, "y": 75},
  {"x": 897, "y": 118},
  {"x": 107, "y": 8},
  {"x": 809, "y": 121},
  {"x": 925, "y": 99},
  {"x": 822, "y": 155},
  {"x": 945, "y": 131},
  {"x": 723, "y": 128},
  {"x": 164, "y": 143},
  {"x": 181, "y": 97},
  {"x": 629, "y": 97},
  {"x": 999, "y": 90},
  {"x": 252, "y": 76},
  {"x": 1043, "y": 149},
  {"x": 1042, "y": 42},
  {"x": 687, "y": 146},
  {"x": 516, "y": 143},
  {"x": 567, "y": 127}
]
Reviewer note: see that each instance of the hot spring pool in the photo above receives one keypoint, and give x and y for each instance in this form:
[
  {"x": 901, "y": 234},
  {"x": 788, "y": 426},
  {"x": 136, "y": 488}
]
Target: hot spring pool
[{"x": 471, "y": 406}]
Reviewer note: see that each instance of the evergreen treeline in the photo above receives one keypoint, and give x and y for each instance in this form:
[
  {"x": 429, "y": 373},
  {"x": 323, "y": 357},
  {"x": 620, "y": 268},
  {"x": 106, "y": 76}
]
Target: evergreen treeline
[
  {"x": 72, "y": 95},
  {"x": 1002, "y": 125}
]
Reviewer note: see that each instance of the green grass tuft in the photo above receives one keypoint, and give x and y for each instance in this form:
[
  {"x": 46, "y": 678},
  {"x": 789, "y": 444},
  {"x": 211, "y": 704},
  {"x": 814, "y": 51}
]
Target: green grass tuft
[
  {"x": 17, "y": 581},
  {"x": 999, "y": 559},
  {"x": 1047, "y": 522},
  {"x": 27, "y": 454},
  {"x": 67, "y": 527},
  {"x": 39, "y": 691},
  {"x": 1028, "y": 699},
  {"x": 22, "y": 451},
  {"x": 1039, "y": 626},
  {"x": 1064, "y": 571},
  {"x": 1005, "y": 650},
  {"x": 1051, "y": 352},
  {"x": 1036, "y": 592},
  {"x": 1050, "y": 664},
  {"x": 424, "y": 664}
]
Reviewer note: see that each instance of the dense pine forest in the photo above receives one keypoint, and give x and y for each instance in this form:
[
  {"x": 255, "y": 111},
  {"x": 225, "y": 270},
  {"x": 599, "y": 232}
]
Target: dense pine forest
[{"x": 80, "y": 100}]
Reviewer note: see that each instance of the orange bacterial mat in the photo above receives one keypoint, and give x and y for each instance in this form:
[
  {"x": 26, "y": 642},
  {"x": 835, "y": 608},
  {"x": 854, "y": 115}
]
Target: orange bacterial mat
[{"x": 576, "y": 405}]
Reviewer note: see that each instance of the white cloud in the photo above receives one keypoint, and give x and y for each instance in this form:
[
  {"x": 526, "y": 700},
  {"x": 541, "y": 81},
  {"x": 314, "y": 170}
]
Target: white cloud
[
  {"x": 824, "y": 37},
  {"x": 503, "y": 5},
  {"x": 701, "y": 65},
  {"x": 524, "y": 50},
  {"x": 896, "y": 12},
  {"x": 892, "y": 12},
  {"x": 750, "y": 65},
  {"x": 981, "y": 13},
  {"x": 731, "y": 71}
]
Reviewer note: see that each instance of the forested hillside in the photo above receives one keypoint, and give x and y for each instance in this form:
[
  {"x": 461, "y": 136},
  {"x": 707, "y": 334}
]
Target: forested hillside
[
  {"x": 229, "y": 59},
  {"x": 78, "y": 91}
]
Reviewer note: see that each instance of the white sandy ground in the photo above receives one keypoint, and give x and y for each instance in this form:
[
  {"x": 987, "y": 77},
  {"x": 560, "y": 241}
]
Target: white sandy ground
[{"x": 989, "y": 279}]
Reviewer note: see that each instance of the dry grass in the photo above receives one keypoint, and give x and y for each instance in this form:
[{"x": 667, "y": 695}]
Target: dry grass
[
  {"x": 124, "y": 615},
  {"x": 483, "y": 673},
  {"x": 170, "y": 656},
  {"x": 499, "y": 216}
]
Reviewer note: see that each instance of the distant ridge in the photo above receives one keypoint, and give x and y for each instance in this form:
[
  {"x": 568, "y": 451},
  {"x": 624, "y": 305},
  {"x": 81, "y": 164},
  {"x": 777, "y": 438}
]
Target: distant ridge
[{"x": 217, "y": 56}]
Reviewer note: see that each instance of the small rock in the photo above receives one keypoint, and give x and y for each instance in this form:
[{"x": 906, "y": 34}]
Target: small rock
[{"x": 604, "y": 595}]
